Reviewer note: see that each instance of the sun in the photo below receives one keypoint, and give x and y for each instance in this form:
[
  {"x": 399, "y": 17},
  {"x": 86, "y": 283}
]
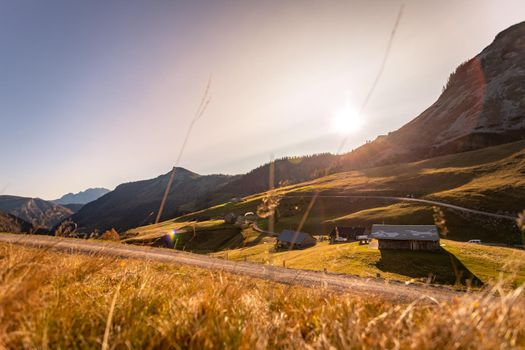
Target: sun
[{"x": 347, "y": 120}]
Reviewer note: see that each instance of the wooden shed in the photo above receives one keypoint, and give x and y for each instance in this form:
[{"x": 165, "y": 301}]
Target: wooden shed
[
  {"x": 295, "y": 239},
  {"x": 406, "y": 237}
]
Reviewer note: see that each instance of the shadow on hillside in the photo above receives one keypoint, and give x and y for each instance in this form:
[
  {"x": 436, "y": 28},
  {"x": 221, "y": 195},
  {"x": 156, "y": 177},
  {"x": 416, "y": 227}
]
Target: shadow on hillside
[
  {"x": 436, "y": 267},
  {"x": 257, "y": 240}
]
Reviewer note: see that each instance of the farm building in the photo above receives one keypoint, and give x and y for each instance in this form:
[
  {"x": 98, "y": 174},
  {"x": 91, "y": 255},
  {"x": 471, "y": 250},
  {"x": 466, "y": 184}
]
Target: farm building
[
  {"x": 346, "y": 234},
  {"x": 294, "y": 239},
  {"x": 407, "y": 237}
]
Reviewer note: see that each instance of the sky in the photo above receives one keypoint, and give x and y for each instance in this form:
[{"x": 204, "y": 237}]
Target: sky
[{"x": 102, "y": 92}]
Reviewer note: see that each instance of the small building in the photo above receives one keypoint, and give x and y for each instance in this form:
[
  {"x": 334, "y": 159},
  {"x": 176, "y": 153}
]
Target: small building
[
  {"x": 295, "y": 239},
  {"x": 406, "y": 237},
  {"x": 341, "y": 234}
]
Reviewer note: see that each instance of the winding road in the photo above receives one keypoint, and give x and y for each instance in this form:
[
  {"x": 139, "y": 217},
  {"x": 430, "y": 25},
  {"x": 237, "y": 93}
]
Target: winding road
[
  {"x": 366, "y": 287},
  {"x": 418, "y": 200}
]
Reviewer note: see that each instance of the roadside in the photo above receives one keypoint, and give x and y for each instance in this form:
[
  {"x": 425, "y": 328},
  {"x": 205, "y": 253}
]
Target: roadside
[{"x": 391, "y": 290}]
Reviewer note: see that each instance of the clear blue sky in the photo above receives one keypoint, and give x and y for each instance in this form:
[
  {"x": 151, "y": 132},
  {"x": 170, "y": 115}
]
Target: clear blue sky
[{"x": 96, "y": 93}]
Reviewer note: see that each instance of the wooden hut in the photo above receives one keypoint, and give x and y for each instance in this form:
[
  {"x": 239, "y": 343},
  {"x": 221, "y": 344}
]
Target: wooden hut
[
  {"x": 295, "y": 239},
  {"x": 406, "y": 237}
]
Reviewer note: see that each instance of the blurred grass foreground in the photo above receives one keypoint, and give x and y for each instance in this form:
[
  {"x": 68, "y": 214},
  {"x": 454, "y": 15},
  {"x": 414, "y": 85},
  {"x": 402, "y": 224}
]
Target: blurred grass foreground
[{"x": 52, "y": 300}]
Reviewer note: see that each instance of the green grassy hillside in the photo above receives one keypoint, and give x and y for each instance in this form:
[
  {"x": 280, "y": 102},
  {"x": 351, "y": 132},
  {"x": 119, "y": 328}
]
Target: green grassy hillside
[
  {"x": 490, "y": 179},
  {"x": 197, "y": 237},
  {"x": 455, "y": 263}
]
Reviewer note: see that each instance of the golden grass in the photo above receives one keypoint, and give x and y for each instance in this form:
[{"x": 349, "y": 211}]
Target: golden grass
[
  {"x": 486, "y": 263},
  {"x": 55, "y": 300}
]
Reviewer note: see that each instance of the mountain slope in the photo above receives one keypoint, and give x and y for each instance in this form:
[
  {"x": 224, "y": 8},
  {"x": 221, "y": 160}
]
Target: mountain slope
[
  {"x": 12, "y": 224},
  {"x": 289, "y": 170},
  {"x": 136, "y": 203},
  {"x": 74, "y": 207},
  {"x": 490, "y": 179},
  {"x": 82, "y": 197},
  {"x": 38, "y": 212},
  {"x": 482, "y": 105}
]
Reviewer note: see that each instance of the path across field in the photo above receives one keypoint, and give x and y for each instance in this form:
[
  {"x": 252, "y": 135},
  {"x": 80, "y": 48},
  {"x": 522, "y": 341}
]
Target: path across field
[{"x": 368, "y": 287}]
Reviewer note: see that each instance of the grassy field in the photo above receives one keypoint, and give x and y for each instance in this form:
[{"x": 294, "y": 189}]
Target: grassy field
[
  {"x": 456, "y": 263},
  {"x": 55, "y": 300},
  {"x": 490, "y": 179},
  {"x": 198, "y": 237}
]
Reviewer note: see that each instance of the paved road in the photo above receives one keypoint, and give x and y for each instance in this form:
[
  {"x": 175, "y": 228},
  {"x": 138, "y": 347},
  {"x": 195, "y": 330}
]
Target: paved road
[
  {"x": 368, "y": 287},
  {"x": 419, "y": 200}
]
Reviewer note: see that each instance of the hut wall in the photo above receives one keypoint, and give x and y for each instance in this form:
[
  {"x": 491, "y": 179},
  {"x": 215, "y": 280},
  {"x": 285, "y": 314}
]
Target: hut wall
[
  {"x": 408, "y": 245},
  {"x": 393, "y": 244},
  {"x": 425, "y": 245}
]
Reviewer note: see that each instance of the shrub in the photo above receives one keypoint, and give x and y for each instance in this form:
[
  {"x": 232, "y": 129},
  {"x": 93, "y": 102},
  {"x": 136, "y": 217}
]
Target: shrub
[{"x": 110, "y": 235}]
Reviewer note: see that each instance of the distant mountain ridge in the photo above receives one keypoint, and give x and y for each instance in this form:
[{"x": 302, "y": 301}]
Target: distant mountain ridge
[
  {"x": 82, "y": 197},
  {"x": 36, "y": 211},
  {"x": 136, "y": 203}
]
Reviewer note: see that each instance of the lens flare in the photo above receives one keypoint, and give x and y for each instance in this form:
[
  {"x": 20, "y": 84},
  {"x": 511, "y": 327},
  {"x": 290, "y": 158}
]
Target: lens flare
[{"x": 171, "y": 238}]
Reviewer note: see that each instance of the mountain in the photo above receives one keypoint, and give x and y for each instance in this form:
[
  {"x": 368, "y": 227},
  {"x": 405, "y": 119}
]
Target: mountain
[
  {"x": 82, "y": 197},
  {"x": 136, "y": 203},
  {"x": 481, "y": 105},
  {"x": 38, "y": 212},
  {"x": 12, "y": 224},
  {"x": 74, "y": 207},
  {"x": 287, "y": 171},
  {"x": 491, "y": 179}
]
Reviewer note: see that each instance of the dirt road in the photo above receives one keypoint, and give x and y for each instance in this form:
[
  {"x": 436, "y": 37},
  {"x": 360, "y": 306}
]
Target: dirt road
[
  {"x": 418, "y": 200},
  {"x": 368, "y": 287}
]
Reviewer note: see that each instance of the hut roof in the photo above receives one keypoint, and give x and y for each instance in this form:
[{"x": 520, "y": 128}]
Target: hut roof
[
  {"x": 295, "y": 237},
  {"x": 405, "y": 232}
]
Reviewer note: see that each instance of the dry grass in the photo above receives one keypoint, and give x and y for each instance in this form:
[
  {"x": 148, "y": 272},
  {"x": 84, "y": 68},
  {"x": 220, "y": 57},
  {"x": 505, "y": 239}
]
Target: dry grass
[
  {"x": 54, "y": 300},
  {"x": 485, "y": 263}
]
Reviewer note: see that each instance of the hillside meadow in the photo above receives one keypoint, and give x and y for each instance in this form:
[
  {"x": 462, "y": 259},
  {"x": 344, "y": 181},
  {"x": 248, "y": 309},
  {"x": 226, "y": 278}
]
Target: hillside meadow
[
  {"x": 57, "y": 300},
  {"x": 456, "y": 264},
  {"x": 491, "y": 179}
]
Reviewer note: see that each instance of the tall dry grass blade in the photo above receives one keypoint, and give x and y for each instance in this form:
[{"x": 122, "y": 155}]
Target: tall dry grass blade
[
  {"x": 271, "y": 187},
  {"x": 110, "y": 315},
  {"x": 198, "y": 114},
  {"x": 303, "y": 219},
  {"x": 520, "y": 221}
]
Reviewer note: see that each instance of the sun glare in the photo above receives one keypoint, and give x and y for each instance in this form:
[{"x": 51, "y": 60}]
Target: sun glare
[{"x": 347, "y": 120}]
